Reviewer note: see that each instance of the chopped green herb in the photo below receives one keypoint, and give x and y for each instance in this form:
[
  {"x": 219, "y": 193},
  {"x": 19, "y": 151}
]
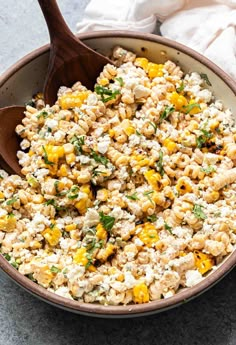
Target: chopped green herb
[
  {"x": 198, "y": 212},
  {"x": 72, "y": 196},
  {"x": 65, "y": 271},
  {"x": 11, "y": 201},
  {"x": 205, "y": 77},
  {"x": 137, "y": 132},
  {"x": 31, "y": 103},
  {"x": 152, "y": 218},
  {"x": 55, "y": 269},
  {"x": 45, "y": 157},
  {"x": 78, "y": 142},
  {"x": 203, "y": 138},
  {"x": 90, "y": 260},
  {"x": 99, "y": 158},
  {"x": 189, "y": 107},
  {"x": 217, "y": 214},
  {"x": 181, "y": 87},
  {"x": 147, "y": 194},
  {"x": 10, "y": 215},
  {"x": 97, "y": 173},
  {"x": 166, "y": 112},
  {"x": 52, "y": 225},
  {"x": 153, "y": 125},
  {"x": 132, "y": 197},
  {"x": 1, "y": 177},
  {"x": 159, "y": 164},
  {"x": 152, "y": 236},
  {"x": 30, "y": 276},
  {"x": 208, "y": 170},
  {"x": 74, "y": 189},
  {"x": 102, "y": 91},
  {"x": 168, "y": 228},
  {"x": 120, "y": 81},
  {"x": 7, "y": 256},
  {"x": 43, "y": 114},
  {"x": 53, "y": 203},
  {"x": 15, "y": 265},
  {"x": 107, "y": 221}
]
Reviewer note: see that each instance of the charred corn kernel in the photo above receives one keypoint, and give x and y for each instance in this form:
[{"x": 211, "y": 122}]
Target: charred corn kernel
[
  {"x": 38, "y": 199},
  {"x": 154, "y": 70},
  {"x": 70, "y": 158},
  {"x": 141, "y": 62},
  {"x": 213, "y": 124},
  {"x": 203, "y": 262},
  {"x": 80, "y": 256},
  {"x": 70, "y": 227},
  {"x": 170, "y": 145},
  {"x": 178, "y": 101},
  {"x": 147, "y": 233},
  {"x": 52, "y": 235},
  {"x": 2, "y": 195},
  {"x": 104, "y": 253},
  {"x": 102, "y": 194},
  {"x": 8, "y": 223},
  {"x": 112, "y": 133},
  {"x": 101, "y": 233},
  {"x": 31, "y": 153},
  {"x": 194, "y": 110},
  {"x": 70, "y": 100},
  {"x": 183, "y": 186},
  {"x": 153, "y": 178},
  {"x": 36, "y": 245},
  {"x": 82, "y": 205},
  {"x": 63, "y": 171},
  {"x": 38, "y": 96},
  {"x": 140, "y": 293},
  {"x": 103, "y": 81}
]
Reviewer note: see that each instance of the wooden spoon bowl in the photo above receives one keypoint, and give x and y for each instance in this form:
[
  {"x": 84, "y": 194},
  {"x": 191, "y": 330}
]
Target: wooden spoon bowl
[{"x": 70, "y": 59}]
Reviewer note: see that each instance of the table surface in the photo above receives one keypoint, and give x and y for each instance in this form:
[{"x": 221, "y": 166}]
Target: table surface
[{"x": 24, "y": 320}]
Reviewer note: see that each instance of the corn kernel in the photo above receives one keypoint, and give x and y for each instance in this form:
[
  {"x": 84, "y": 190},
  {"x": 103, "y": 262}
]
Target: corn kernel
[
  {"x": 2, "y": 195},
  {"x": 38, "y": 199},
  {"x": 8, "y": 223},
  {"x": 183, "y": 186},
  {"x": 31, "y": 153},
  {"x": 70, "y": 158},
  {"x": 153, "y": 178},
  {"x": 80, "y": 256},
  {"x": 52, "y": 235},
  {"x": 147, "y": 233},
  {"x": 102, "y": 194},
  {"x": 170, "y": 145},
  {"x": 203, "y": 262},
  {"x": 36, "y": 245},
  {"x": 63, "y": 171},
  {"x": 92, "y": 268},
  {"x": 112, "y": 133},
  {"x": 178, "y": 101},
  {"x": 70, "y": 227},
  {"x": 70, "y": 100},
  {"x": 104, "y": 253},
  {"x": 141, "y": 62},
  {"x": 154, "y": 70},
  {"x": 120, "y": 277},
  {"x": 68, "y": 148},
  {"x": 140, "y": 293},
  {"x": 194, "y": 110},
  {"x": 82, "y": 205},
  {"x": 101, "y": 233},
  {"x": 103, "y": 81}
]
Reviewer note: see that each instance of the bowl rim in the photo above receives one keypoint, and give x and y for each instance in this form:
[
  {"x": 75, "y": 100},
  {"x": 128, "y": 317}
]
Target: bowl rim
[{"x": 134, "y": 309}]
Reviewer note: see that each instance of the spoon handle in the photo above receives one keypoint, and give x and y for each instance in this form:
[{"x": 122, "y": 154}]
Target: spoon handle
[{"x": 57, "y": 27}]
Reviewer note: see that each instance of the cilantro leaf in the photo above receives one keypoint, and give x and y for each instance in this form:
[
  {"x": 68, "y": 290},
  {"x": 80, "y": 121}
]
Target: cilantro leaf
[
  {"x": 120, "y": 81},
  {"x": 11, "y": 201},
  {"x": 132, "y": 197},
  {"x": 208, "y": 170},
  {"x": 99, "y": 158},
  {"x": 203, "y": 138},
  {"x": 159, "y": 164},
  {"x": 166, "y": 112},
  {"x": 45, "y": 157},
  {"x": 55, "y": 269},
  {"x": 198, "y": 212},
  {"x": 102, "y": 91},
  {"x": 181, "y": 87},
  {"x": 168, "y": 228},
  {"x": 107, "y": 221},
  {"x": 205, "y": 77},
  {"x": 152, "y": 218},
  {"x": 78, "y": 142},
  {"x": 189, "y": 107}
]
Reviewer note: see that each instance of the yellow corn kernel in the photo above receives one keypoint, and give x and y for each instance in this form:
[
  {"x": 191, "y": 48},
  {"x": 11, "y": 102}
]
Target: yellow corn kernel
[
  {"x": 213, "y": 124},
  {"x": 43, "y": 276},
  {"x": 38, "y": 199},
  {"x": 127, "y": 127},
  {"x": 103, "y": 81},
  {"x": 70, "y": 158},
  {"x": 102, "y": 194},
  {"x": 183, "y": 186},
  {"x": 58, "y": 151},
  {"x": 194, "y": 110},
  {"x": 141, "y": 62},
  {"x": 112, "y": 133},
  {"x": 147, "y": 233},
  {"x": 139, "y": 161},
  {"x": 87, "y": 190},
  {"x": 170, "y": 145},
  {"x": 120, "y": 277},
  {"x": 82, "y": 205},
  {"x": 178, "y": 101},
  {"x": 52, "y": 235},
  {"x": 80, "y": 256},
  {"x": 129, "y": 130},
  {"x": 8, "y": 223},
  {"x": 203, "y": 262},
  {"x": 70, "y": 100},
  {"x": 153, "y": 178},
  {"x": 212, "y": 196},
  {"x": 154, "y": 70},
  {"x": 31, "y": 153},
  {"x": 2, "y": 195},
  {"x": 140, "y": 293},
  {"x": 101, "y": 233},
  {"x": 92, "y": 268},
  {"x": 63, "y": 171},
  {"x": 36, "y": 245},
  {"x": 104, "y": 253},
  {"x": 70, "y": 227}
]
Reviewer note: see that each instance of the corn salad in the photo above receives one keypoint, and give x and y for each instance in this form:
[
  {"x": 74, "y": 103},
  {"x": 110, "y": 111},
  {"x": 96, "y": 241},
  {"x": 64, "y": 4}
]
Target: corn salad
[{"x": 128, "y": 192}]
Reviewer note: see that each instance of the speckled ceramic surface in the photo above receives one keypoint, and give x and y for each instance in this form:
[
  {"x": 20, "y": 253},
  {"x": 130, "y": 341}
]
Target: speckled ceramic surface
[{"x": 26, "y": 78}]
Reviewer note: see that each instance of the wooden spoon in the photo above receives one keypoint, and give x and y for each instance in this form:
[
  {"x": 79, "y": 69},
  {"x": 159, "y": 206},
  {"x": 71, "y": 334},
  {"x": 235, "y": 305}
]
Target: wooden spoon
[
  {"x": 70, "y": 60},
  {"x": 10, "y": 117}
]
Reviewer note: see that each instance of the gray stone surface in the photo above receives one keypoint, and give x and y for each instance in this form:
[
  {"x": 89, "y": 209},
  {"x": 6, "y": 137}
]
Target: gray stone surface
[{"x": 208, "y": 320}]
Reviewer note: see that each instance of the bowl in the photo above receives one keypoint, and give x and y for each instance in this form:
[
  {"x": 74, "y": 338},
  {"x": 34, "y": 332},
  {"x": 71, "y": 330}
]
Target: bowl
[{"x": 26, "y": 77}]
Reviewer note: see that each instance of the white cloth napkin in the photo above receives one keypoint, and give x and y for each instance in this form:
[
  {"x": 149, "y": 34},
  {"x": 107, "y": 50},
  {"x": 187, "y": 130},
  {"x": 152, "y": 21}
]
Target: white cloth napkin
[{"x": 208, "y": 26}]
